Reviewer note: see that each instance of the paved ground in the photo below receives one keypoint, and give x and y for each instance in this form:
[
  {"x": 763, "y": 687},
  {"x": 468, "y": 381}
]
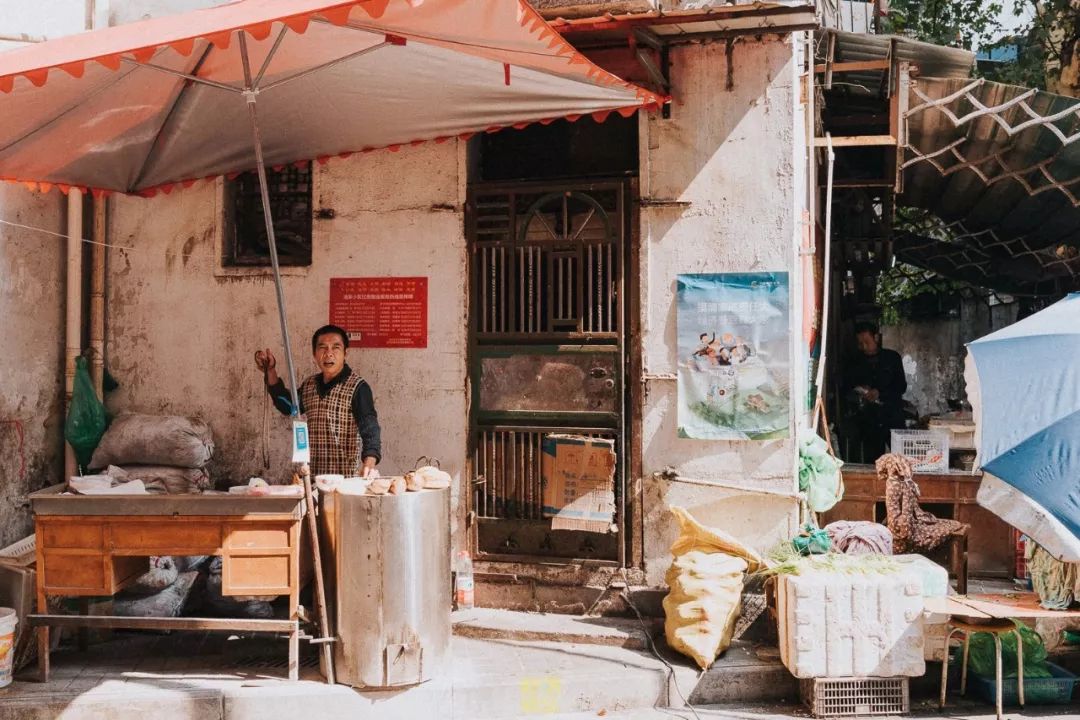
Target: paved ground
[{"x": 215, "y": 677}]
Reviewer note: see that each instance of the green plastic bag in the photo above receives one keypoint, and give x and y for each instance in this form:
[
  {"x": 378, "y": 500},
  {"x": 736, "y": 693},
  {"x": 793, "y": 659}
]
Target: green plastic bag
[
  {"x": 86, "y": 420},
  {"x": 981, "y": 654},
  {"x": 812, "y": 541},
  {"x": 819, "y": 474}
]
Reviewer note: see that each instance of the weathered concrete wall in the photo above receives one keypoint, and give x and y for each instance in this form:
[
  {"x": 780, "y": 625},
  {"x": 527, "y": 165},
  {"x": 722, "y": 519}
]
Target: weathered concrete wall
[
  {"x": 933, "y": 351},
  {"x": 49, "y": 20},
  {"x": 125, "y": 11},
  {"x": 32, "y": 358},
  {"x": 182, "y": 330},
  {"x": 31, "y": 307},
  {"x": 725, "y": 168}
]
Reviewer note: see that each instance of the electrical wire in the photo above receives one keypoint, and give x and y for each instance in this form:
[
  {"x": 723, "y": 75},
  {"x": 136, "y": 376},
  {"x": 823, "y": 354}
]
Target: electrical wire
[
  {"x": 88, "y": 241},
  {"x": 652, "y": 647}
]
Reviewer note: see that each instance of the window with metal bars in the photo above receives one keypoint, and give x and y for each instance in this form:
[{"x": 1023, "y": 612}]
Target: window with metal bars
[
  {"x": 290, "y": 206},
  {"x": 546, "y": 264}
]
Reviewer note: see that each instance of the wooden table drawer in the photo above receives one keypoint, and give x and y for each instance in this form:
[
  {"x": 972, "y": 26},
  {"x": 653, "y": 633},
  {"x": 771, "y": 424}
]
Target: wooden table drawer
[
  {"x": 256, "y": 574},
  {"x": 81, "y": 573},
  {"x": 66, "y": 534},
  {"x": 258, "y": 536},
  {"x": 166, "y": 538}
]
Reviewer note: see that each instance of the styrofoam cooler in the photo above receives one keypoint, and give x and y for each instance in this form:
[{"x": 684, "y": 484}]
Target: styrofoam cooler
[{"x": 842, "y": 625}]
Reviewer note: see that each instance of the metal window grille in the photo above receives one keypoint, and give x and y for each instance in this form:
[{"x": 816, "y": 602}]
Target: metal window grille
[
  {"x": 507, "y": 465},
  {"x": 546, "y": 264},
  {"x": 290, "y": 206}
]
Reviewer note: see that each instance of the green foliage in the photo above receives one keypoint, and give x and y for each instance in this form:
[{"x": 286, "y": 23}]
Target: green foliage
[
  {"x": 1029, "y": 69},
  {"x": 953, "y": 23},
  {"x": 901, "y": 283},
  {"x": 1049, "y": 42}
]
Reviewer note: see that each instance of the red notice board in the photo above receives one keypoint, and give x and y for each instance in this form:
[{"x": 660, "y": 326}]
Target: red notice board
[{"x": 387, "y": 312}]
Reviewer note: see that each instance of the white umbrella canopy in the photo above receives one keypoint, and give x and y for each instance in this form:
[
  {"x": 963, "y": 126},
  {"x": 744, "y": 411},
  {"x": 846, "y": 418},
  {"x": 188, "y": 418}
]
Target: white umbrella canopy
[
  {"x": 1023, "y": 382},
  {"x": 140, "y": 107}
]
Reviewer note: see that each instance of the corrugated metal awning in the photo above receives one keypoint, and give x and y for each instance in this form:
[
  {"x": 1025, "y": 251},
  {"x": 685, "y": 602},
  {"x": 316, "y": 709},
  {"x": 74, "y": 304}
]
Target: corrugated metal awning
[
  {"x": 838, "y": 46},
  {"x": 997, "y": 165}
]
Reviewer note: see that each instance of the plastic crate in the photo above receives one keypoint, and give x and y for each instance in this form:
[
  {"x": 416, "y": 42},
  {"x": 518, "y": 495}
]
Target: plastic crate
[
  {"x": 928, "y": 450},
  {"x": 855, "y": 697},
  {"x": 1055, "y": 690},
  {"x": 22, "y": 553}
]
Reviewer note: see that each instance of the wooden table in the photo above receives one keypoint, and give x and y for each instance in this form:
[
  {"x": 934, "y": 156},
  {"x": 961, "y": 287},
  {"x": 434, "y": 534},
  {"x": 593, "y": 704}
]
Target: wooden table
[
  {"x": 92, "y": 546},
  {"x": 1009, "y": 606},
  {"x": 948, "y": 494}
]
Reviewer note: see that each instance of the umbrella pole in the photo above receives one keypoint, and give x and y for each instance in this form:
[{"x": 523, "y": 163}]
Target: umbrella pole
[
  {"x": 271, "y": 240},
  {"x": 320, "y": 589}
]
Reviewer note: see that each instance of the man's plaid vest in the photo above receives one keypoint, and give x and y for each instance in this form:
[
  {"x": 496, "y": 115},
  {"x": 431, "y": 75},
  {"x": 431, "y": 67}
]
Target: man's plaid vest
[{"x": 332, "y": 431}]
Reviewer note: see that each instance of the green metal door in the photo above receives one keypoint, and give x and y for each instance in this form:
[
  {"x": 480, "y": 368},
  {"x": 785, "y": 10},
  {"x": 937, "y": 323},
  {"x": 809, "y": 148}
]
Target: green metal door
[{"x": 547, "y": 318}]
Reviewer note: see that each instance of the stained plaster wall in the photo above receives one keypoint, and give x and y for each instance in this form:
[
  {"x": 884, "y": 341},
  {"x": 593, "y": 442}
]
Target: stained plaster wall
[
  {"x": 32, "y": 354},
  {"x": 31, "y": 308},
  {"x": 933, "y": 351},
  {"x": 721, "y": 180},
  {"x": 182, "y": 331}
]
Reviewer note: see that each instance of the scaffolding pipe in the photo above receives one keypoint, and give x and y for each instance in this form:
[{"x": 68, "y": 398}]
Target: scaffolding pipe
[
  {"x": 827, "y": 280},
  {"x": 97, "y": 298}
]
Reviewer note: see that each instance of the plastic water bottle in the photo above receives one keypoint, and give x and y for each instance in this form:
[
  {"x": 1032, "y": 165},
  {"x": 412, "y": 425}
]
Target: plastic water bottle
[{"x": 463, "y": 581}]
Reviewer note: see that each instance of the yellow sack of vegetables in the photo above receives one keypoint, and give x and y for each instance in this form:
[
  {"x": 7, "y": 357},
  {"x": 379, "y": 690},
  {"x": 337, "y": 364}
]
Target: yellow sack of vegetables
[{"x": 706, "y": 581}]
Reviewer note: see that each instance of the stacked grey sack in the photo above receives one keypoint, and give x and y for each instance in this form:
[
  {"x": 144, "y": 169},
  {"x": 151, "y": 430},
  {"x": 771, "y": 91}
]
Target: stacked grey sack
[{"x": 170, "y": 454}]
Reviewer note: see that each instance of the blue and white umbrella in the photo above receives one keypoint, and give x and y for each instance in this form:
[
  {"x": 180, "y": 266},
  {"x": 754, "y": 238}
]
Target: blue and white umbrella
[{"x": 1023, "y": 383}]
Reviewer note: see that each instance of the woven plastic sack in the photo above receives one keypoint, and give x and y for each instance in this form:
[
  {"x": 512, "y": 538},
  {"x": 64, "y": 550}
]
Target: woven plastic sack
[
  {"x": 819, "y": 474},
  {"x": 134, "y": 439},
  {"x": 981, "y": 654},
  {"x": 86, "y": 420},
  {"x": 706, "y": 581},
  {"x": 162, "y": 573}
]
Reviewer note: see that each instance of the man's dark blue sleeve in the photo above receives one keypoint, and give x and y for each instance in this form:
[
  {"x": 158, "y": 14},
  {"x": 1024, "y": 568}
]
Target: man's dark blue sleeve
[
  {"x": 367, "y": 421},
  {"x": 282, "y": 398}
]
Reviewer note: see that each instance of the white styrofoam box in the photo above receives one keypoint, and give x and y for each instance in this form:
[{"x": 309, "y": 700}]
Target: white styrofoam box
[
  {"x": 846, "y": 625},
  {"x": 935, "y": 578}
]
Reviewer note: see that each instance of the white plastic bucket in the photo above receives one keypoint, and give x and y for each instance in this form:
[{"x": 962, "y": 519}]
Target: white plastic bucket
[{"x": 8, "y": 621}]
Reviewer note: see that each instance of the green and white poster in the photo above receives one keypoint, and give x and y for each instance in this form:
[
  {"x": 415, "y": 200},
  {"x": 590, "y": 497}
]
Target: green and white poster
[{"x": 734, "y": 356}]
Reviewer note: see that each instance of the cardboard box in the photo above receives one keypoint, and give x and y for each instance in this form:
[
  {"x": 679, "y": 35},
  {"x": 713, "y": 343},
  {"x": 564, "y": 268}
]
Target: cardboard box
[{"x": 578, "y": 476}]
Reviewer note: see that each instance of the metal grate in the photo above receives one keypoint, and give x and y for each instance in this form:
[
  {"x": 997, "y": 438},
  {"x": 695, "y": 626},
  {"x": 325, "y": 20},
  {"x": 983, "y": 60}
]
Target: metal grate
[
  {"x": 507, "y": 463},
  {"x": 546, "y": 263},
  {"x": 272, "y": 660},
  {"x": 855, "y": 697}
]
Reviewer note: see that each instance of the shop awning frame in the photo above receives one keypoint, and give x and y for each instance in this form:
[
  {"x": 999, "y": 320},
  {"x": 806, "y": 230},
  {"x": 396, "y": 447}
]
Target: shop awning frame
[{"x": 998, "y": 166}]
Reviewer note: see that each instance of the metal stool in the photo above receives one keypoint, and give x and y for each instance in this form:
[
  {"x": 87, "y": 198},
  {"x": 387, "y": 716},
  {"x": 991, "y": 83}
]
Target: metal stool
[{"x": 997, "y": 628}]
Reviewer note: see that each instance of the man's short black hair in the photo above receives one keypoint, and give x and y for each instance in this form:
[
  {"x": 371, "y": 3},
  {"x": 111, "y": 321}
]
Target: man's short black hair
[
  {"x": 326, "y": 330},
  {"x": 866, "y": 327}
]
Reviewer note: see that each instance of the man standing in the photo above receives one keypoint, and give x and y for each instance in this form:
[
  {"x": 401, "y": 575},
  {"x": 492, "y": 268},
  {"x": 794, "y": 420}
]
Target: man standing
[
  {"x": 874, "y": 384},
  {"x": 343, "y": 426}
]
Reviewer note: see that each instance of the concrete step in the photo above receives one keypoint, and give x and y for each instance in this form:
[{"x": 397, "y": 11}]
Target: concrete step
[{"x": 490, "y": 624}]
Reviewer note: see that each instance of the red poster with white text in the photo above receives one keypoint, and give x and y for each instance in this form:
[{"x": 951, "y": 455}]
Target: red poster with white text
[{"x": 389, "y": 312}]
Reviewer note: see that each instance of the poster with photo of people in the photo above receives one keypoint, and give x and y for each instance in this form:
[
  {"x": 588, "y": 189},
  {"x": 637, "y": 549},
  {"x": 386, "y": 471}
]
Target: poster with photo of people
[{"x": 734, "y": 356}]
